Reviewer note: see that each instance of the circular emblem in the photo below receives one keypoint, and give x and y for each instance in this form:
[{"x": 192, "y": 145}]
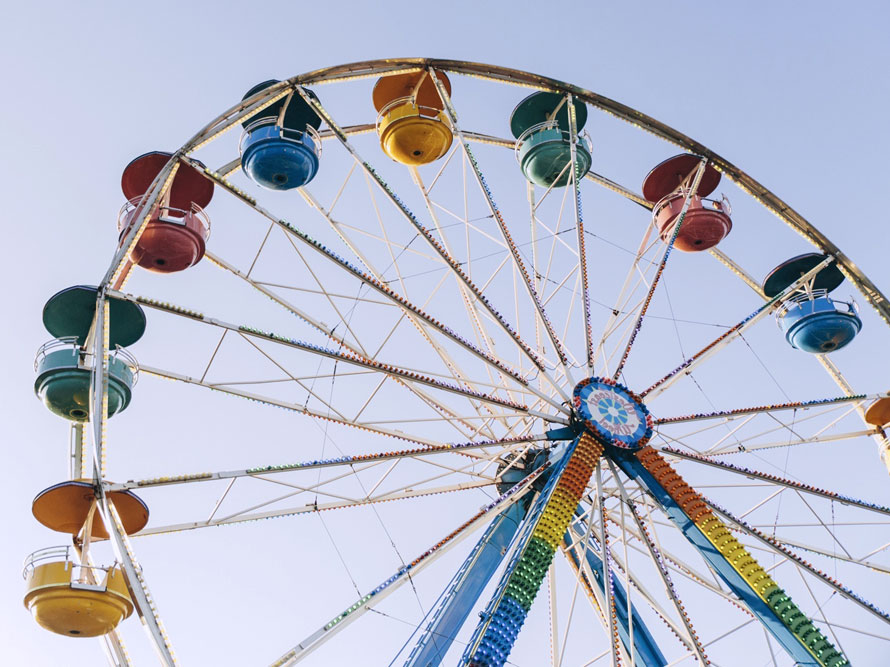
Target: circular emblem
[{"x": 612, "y": 413}]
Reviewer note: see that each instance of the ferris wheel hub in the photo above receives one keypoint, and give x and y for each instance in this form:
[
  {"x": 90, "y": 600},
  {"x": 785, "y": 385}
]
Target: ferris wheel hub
[{"x": 612, "y": 413}]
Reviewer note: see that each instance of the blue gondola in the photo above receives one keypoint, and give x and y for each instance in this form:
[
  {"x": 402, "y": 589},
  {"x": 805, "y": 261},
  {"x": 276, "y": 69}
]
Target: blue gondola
[
  {"x": 280, "y": 146},
  {"x": 809, "y": 318},
  {"x": 815, "y": 323}
]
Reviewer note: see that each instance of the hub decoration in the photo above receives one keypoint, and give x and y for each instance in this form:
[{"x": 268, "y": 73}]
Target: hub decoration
[{"x": 613, "y": 414}]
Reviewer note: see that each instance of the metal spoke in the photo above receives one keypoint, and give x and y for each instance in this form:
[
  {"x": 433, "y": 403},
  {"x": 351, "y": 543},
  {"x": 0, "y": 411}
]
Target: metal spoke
[
  {"x": 365, "y": 277},
  {"x": 293, "y": 407},
  {"x": 187, "y": 478},
  {"x": 368, "y": 601},
  {"x": 796, "y": 405},
  {"x": 732, "y": 333},
  {"x": 508, "y": 239},
  {"x": 579, "y": 225},
  {"x": 773, "y": 479},
  {"x": 347, "y": 358},
  {"x": 662, "y": 570},
  {"x": 315, "y": 507},
  {"x": 424, "y": 232},
  {"x": 696, "y": 179}
]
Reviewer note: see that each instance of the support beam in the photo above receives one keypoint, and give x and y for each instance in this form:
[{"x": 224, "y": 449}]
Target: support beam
[
  {"x": 641, "y": 645},
  {"x": 465, "y": 588},
  {"x": 544, "y": 528},
  {"x": 793, "y": 630},
  {"x": 135, "y": 580},
  {"x": 731, "y": 334},
  {"x": 367, "y": 602}
]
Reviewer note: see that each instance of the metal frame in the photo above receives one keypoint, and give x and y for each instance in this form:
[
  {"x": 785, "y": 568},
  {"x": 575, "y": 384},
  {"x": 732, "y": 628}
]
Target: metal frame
[{"x": 511, "y": 386}]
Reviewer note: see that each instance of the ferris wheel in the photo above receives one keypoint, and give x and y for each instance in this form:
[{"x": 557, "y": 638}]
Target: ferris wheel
[{"x": 516, "y": 333}]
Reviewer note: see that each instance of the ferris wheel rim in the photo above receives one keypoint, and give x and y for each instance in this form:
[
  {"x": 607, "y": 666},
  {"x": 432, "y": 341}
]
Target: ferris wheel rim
[
  {"x": 374, "y": 68},
  {"x": 370, "y": 68}
]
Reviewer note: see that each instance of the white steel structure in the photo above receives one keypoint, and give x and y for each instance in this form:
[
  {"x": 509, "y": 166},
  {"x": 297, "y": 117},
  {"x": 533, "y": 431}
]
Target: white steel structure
[{"x": 421, "y": 330}]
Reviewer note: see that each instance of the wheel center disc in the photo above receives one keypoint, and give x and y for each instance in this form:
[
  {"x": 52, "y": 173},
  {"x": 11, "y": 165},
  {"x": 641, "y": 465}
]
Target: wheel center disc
[{"x": 612, "y": 413}]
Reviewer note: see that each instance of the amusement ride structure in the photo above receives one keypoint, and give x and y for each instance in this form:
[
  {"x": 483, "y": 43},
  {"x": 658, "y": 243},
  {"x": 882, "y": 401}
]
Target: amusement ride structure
[{"x": 432, "y": 281}]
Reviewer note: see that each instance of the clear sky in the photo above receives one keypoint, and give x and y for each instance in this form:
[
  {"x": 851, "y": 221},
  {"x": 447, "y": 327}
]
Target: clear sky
[{"x": 795, "y": 94}]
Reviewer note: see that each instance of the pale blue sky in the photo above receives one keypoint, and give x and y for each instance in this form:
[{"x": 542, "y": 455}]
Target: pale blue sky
[{"x": 796, "y": 94}]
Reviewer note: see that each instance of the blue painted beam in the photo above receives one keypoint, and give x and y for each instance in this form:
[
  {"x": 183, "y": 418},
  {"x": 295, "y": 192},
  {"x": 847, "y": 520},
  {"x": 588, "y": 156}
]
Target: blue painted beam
[
  {"x": 645, "y": 651},
  {"x": 559, "y": 458},
  {"x": 792, "y": 645},
  {"x": 466, "y": 587}
]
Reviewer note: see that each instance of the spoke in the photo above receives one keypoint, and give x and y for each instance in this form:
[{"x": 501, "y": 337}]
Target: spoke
[
  {"x": 294, "y": 407},
  {"x": 886, "y": 638},
  {"x": 662, "y": 570},
  {"x": 700, "y": 170},
  {"x": 345, "y": 357},
  {"x": 816, "y": 439},
  {"x": 314, "y": 507},
  {"x": 187, "y": 478},
  {"x": 773, "y": 479},
  {"x": 877, "y": 567},
  {"x": 780, "y": 426},
  {"x": 365, "y": 277},
  {"x": 795, "y": 405},
  {"x": 627, "y": 193},
  {"x": 446, "y": 257},
  {"x": 579, "y": 225},
  {"x": 368, "y": 601},
  {"x": 729, "y": 335},
  {"x": 736, "y": 269},
  {"x": 505, "y": 232},
  {"x": 623, "y": 295}
]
